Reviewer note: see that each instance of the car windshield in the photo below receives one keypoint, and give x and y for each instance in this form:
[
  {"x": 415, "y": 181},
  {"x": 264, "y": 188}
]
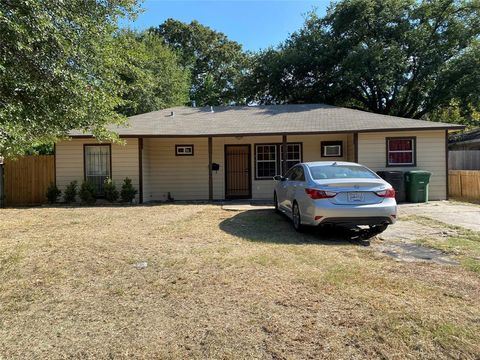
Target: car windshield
[{"x": 320, "y": 172}]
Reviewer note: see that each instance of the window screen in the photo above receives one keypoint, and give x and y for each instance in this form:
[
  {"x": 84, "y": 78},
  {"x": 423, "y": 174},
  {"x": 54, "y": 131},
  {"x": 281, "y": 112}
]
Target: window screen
[
  {"x": 400, "y": 151},
  {"x": 294, "y": 155},
  {"x": 97, "y": 165},
  {"x": 266, "y": 161}
]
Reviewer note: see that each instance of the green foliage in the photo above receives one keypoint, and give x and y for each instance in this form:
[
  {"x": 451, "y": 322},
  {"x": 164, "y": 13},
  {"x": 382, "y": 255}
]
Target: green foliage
[
  {"x": 88, "y": 193},
  {"x": 53, "y": 193},
  {"x": 128, "y": 192},
  {"x": 397, "y": 57},
  {"x": 455, "y": 113},
  {"x": 41, "y": 149},
  {"x": 57, "y": 65},
  {"x": 216, "y": 63},
  {"x": 110, "y": 190},
  {"x": 152, "y": 78},
  {"x": 70, "y": 192}
]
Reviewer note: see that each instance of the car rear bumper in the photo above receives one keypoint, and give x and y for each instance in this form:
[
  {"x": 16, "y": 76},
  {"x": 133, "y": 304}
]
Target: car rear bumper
[
  {"x": 370, "y": 214},
  {"x": 346, "y": 221}
]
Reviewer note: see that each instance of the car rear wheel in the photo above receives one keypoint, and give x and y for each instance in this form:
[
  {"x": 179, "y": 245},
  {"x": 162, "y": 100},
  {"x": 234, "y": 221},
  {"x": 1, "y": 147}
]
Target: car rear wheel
[
  {"x": 296, "y": 218},
  {"x": 275, "y": 202}
]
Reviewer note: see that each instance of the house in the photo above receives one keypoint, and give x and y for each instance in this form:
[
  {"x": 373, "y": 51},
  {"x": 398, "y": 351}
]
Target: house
[
  {"x": 464, "y": 150},
  {"x": 465, "y": 141},
  {"x": 219, "y": 153}
]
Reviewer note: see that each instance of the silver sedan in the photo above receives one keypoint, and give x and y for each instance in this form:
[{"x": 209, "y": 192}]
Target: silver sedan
[{"x": 335, "y": 193}]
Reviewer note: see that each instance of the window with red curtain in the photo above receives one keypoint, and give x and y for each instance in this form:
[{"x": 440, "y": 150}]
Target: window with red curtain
[{"x": 401, "y": 151}]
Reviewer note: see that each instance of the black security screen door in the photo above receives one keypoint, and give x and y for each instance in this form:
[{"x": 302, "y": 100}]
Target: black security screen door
[
  {"x": 237, "y": 172},
  {"x": 97, "y": 165}
]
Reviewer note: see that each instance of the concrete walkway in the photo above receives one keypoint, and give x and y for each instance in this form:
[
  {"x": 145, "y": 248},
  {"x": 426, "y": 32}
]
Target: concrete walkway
[{"x": 247, "y": 205}]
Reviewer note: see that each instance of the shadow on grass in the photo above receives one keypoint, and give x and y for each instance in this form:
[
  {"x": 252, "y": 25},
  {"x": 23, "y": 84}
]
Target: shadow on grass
[{"x": 268, "y": 227}]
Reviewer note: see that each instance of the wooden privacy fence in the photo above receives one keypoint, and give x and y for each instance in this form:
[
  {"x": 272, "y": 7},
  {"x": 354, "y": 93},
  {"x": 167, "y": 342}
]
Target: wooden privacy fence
[
  {"x": 464, "y": 159},
  {"x": 464, "y": 184},
  {"x": 26, "y": 179}
]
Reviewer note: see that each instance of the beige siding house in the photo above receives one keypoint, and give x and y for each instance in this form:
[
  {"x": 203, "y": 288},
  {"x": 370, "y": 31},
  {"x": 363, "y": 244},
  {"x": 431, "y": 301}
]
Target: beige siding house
[{"x": 233, "y": 152}]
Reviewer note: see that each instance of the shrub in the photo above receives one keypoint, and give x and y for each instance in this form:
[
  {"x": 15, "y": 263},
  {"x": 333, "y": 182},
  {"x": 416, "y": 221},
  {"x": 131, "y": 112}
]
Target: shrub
[
  {"x": 128, "y": 191},
  {"x": 87, "y": 193},
  {"x": 110, "y": 190},
  {"x": 70, "y": 192},
  {"x": 53, "y": 193}
]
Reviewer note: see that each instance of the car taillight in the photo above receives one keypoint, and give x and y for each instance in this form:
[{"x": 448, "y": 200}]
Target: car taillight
[
  {"x": 320, "y": 194},
  {"x": 388, "y": 193}
]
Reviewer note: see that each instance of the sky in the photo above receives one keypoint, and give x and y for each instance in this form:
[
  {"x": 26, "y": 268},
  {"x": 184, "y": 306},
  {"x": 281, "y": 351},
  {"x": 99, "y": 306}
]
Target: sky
[{"x": 254, "y": 24}]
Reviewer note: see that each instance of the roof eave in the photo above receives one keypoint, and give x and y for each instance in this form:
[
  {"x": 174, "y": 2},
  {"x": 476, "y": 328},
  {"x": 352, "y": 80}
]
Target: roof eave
[{"x": 449, "y": 127}]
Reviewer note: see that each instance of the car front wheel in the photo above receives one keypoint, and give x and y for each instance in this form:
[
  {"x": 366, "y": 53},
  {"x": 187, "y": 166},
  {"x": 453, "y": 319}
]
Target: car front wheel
[
  {"x": 296, "y": 218},
  {"x": 275, "y": 202}
]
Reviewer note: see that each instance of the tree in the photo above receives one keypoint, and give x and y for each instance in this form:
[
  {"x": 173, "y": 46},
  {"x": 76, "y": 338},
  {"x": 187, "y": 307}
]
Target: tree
[
  {"x": 397, "y": 57},
  {"x": 455, "y": 113},
  {"x": 216, "y": 63},
  {"x": 151, "y": 75},
  {"x": 57, "y": 69}
]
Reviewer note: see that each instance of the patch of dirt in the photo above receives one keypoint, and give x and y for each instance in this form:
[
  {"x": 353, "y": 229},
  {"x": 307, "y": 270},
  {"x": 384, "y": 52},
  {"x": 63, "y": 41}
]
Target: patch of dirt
[{"x": 400, "y": 242}]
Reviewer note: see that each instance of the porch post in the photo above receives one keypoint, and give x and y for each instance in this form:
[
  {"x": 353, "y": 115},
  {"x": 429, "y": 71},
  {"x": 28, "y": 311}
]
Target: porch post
[
  {"x": 355, "y": 146},
  {"x": 284, "y": 154},
  {"x": 210, "y": 177},
  {"x": 140, "y": 170}
]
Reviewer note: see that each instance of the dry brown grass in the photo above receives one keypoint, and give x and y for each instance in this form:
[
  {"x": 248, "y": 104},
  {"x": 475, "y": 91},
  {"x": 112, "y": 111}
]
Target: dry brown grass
[{"x": 218, "y": 285}]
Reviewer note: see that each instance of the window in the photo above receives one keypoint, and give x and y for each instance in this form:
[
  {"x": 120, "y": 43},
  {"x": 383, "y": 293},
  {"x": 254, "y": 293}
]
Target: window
[
  {"x": 184, "y": 150},
  {"x": 332, "y": 148},
  {"x": 320, "y": 172},
  {"x": 289, "y": 174},
  {"x": 400, "y": 151},
  {"x": 97, "y": 163},
  {"x": 296, "y": 174},
  {"x": 294, "y": 155},
  {"x": 266, "y": 161}
]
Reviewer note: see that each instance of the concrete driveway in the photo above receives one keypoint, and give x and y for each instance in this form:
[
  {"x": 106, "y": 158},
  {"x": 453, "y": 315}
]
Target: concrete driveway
[{"x": 449, "y": 212}]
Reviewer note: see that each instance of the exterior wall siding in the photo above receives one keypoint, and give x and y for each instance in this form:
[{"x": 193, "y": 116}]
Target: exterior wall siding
[
  {"x": 186, "y": 177},
  {"x": 69, "y": 162},
  {"x": 430, "y": 156}
]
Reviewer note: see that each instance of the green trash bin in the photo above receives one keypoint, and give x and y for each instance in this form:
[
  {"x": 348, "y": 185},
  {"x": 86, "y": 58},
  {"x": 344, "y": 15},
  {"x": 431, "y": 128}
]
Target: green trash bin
[{"x": 416, "y": 185}]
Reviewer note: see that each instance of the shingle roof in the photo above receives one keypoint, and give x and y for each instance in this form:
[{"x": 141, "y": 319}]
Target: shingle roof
[
  {"x": 269, "y": 119},
  {"x": 470, "y": 136}
]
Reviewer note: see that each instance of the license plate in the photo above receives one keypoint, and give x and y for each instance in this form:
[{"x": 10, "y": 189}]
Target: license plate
[{"x": 355, "y": 196}]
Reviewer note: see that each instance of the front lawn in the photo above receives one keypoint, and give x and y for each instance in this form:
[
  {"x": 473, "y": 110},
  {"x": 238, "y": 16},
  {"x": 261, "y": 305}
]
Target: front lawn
[{"x": 218, "y": 284}]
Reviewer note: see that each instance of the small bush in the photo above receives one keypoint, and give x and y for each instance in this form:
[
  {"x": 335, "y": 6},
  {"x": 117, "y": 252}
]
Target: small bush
[
  {"x": 53, "y": 193},
  {"x": 70, "y": 192},
  {"x": 128, "y": 191},
  {"x": 110, "y": 190},
  {"x": 88, "y": 193}
]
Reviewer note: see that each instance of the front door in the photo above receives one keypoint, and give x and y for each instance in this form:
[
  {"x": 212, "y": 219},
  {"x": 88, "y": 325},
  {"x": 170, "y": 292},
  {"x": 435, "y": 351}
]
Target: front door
[{"x": 237, "y": 172}]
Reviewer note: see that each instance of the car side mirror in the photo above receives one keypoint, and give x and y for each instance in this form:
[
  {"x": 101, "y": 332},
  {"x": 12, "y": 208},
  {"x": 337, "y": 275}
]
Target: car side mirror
[{"x": 278, "y": 178}]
